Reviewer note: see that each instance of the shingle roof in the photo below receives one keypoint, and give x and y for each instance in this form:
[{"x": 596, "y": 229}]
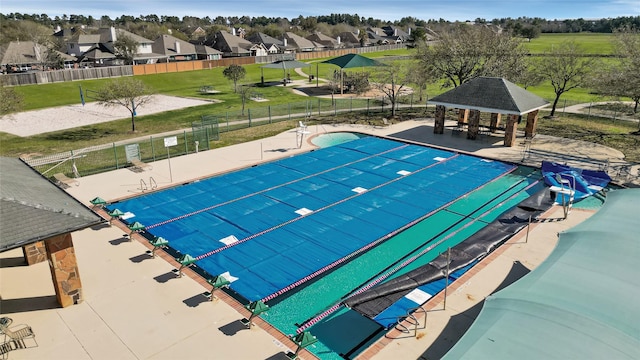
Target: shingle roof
[
  {"x": 264, "y": 39},
  {"x": 28, "y": 52},
  {"x": 166, "y": 44},
  {"x": 33, "y": 209},
  {"x": 299, "y": 41},
  {"x": 491, "y": 94}
]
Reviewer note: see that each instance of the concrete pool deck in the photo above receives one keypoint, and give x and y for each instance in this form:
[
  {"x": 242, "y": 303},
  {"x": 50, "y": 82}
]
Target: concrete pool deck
[{"x": 136, "y": 308}]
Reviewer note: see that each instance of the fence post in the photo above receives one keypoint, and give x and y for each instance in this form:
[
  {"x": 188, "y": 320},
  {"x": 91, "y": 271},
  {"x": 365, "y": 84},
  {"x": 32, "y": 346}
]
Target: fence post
[
  {"x": 318, "y": 106},
  {"x": 269, "y": 110},
  {"x": 350, "y": 104},
  {"x": 115, "y": 155},
  {"x": 153, "y": 150},
  {"x": 368, "y": 107},
  {"x": 289, "y": 107},
  {"x": 186, "y": 145},
  {"x": 249, "y": 116}
]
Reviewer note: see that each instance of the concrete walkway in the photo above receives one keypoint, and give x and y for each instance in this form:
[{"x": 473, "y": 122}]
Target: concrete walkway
[{"x": 135, "y": 307}]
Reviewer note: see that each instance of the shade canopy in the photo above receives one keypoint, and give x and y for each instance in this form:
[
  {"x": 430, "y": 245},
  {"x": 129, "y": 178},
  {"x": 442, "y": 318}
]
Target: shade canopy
[
  {"x": 285, "y": 64},
  {"x": 580, "y": 303},
  {"x": 491, "y": 94},
  {"x": 352, "y": 61}
]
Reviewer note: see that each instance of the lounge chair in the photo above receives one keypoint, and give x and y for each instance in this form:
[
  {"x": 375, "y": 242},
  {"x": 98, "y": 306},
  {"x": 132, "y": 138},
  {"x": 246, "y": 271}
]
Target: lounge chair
[
  {"x": 140, "y": 165},
  {"x": 62, "y": 179},
  {"x": 14, "y": 337}
]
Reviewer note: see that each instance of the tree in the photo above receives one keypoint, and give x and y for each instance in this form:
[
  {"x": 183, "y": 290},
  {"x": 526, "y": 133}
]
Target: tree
[
  {"x": 126, "y": 48},
  {"x": 469, "y": 51},
  {"x": 391, "y": 79},
  {"x": 10, "y": 100},
  {"x": 245, "y": 91},
  {"x": 565, "y": 67},
  {"x": 622, "y": 78},
  {"x": 530, "y": 32},
  {"x": 128, "y": 92},
  {"x": 234, "y": 73}
]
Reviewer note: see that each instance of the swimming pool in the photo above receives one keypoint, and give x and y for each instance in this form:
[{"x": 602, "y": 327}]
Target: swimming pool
[
  {"x": 303, "y": 232},
  {"x": 335, "y": 138}
]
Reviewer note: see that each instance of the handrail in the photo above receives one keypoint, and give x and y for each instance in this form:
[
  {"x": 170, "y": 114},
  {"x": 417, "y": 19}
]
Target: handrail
[
  {"x": 143, "y": 185},
  {"x": 153, "y": 183}
]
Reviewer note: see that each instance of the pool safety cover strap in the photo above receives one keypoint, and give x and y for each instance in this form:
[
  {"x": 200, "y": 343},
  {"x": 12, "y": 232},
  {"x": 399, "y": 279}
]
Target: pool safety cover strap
[{"x": 374, "y": 301}]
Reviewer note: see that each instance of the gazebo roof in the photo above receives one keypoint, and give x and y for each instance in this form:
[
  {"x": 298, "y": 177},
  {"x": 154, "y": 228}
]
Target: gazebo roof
[
  {"x": 491, "y": 94},
  {"x": 33, "y": 209}
]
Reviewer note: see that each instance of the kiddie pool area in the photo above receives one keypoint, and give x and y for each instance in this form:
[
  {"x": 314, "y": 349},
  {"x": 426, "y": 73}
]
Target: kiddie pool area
[{"x": 308, "y": 233}]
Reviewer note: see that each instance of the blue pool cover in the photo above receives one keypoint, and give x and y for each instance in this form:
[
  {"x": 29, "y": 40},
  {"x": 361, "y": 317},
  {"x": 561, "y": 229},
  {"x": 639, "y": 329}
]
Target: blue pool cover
[{"x": 276, "y": 225}]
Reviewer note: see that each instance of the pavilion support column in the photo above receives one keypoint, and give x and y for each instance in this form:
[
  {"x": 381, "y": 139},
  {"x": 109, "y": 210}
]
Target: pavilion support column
[
  {"x": 463, "y": 116},
  {"x": 495, "y": 122},
  {"x": 532, "y": 123},
  {"x": 34, "y": 253},
  {"x": 438, "y": 126},
  {"x": 510, "y": 130},
  {"x": 474, "y": 124},
  {"x": 64, "y": 269}
]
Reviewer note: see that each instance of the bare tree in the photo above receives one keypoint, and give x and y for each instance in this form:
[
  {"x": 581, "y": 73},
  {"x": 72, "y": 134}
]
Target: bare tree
[
  {"x": 234, "y": 73},
  {"x": 466, "y": 52},
  {"x": 127, "y": 92},
  {"x": 246, "y": 92},
  {"x": 565, "y": 67},
  {"x": 622, "y": 77},
  {"x": 391, "y": 79},
  {"x": 126, "y": 48}
]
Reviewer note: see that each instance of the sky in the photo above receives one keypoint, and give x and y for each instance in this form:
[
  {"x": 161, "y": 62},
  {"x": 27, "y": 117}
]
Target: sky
[{"x": 387, "y": 10}]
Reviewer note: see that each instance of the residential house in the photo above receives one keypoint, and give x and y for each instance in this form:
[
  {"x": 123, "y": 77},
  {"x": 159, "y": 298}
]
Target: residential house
[
  {"x": 395, "y": 34},
  {"x": 350, "y": 39},
  {"x": 205, "y": 52},
  {"x": 232, "y": 45},
  {"x": 273, "y": 45},
  {"x": 20, "y": 56},
  {"x": 98, "y": 49},
  {"x": 299, "y": 43},
  {"x": 174, "y": 49},
  {"x": 327, "y": 41}
]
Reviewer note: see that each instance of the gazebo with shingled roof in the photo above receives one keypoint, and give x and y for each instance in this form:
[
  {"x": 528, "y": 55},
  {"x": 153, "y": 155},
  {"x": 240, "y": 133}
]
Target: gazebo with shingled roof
[{"x": 494, "y": 95}]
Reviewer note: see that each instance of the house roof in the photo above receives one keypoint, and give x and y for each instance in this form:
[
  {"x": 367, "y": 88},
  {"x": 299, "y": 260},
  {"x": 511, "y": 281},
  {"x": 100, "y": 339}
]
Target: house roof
[
  {"x": 33, "y": 209},
  {"x": 204, "y": 49},
  {"x": 491, "y": 94},
  {"x": 349, "y": 37},
  {"x": 229, "y": 43},
  {"x": 166, "y": 44},
  {"x": 299, "y": 41},
  {"x": 106, "y": 36},
  {"x": 28, "y": 52},
  {"x": 264, "y": 39},
  {"x": 97, "y": 52},
  {"x": 580, "y": 303},
  {"x": 323, "y": 39}
]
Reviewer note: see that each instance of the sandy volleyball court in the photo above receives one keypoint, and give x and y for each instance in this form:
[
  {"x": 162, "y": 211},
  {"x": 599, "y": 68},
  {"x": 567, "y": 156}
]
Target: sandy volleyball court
[{"x": 34, "y": 122}]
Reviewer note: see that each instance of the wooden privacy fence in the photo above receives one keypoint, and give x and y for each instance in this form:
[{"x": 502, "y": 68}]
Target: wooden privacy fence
[{"x": 53, "y": 76}]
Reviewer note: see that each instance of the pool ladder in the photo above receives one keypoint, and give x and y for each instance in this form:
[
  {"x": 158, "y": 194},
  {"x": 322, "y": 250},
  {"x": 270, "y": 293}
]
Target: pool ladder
[
  {"x": 414, "y": 322},
  {"x": 152, "y": 183}
]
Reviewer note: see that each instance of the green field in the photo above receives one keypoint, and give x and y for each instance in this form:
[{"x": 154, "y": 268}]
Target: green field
[{"x": 591, "y": 43}]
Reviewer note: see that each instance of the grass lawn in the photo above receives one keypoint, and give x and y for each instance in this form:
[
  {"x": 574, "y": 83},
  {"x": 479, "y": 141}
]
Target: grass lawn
[
  {"x": 591, "y": 43},
  {"x": 188, "y": 84}
]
